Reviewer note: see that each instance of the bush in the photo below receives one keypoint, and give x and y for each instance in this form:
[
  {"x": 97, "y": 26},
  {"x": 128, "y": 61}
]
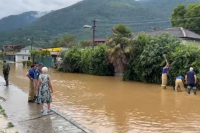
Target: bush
[
  {"x": 24, "y": 63},
  {"x": 146, "y": 57},
  {"x": 99, "y": 63},
  {"x": 88, "y": 61},
  {"x": 71, "y": 61},
  {"x": 29, "y": 62},
  {"x": 184, "y": 57}
]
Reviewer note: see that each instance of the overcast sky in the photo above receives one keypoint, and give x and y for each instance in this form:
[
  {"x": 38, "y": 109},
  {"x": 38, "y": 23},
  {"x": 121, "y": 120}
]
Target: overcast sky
[{"x": 12, "y": 7}]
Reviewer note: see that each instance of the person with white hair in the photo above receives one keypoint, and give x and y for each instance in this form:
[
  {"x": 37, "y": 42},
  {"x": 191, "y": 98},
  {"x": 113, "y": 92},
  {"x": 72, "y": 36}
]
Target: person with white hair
[
  {"x": 191, "y": 80},
  {"x": 45, "y": 89}
]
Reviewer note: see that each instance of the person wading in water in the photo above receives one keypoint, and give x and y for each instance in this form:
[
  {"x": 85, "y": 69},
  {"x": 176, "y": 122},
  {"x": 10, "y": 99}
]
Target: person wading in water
[
  {"x": 6, "y": 70},
  {"x": 179, "y": 85},
  {"x": 165, "y": 71},
  {"x": 30, "y": 75},
  {"x": 191, "y": 80}
]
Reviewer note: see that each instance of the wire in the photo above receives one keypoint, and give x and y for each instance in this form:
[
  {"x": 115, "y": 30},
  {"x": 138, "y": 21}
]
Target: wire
[{"x": 156, "y": 21}]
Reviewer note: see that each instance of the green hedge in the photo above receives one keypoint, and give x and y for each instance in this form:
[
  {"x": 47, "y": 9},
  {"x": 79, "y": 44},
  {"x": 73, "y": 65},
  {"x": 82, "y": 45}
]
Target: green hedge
[
  {"x": 145, "y": 61},
  {"x": 147, "y": 58},
  {"x": 88, "y": 61}
]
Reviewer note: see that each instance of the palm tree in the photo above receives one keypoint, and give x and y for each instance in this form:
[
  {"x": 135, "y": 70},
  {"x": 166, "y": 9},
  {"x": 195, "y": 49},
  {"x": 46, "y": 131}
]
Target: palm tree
[{"x": 118, "y": 53}]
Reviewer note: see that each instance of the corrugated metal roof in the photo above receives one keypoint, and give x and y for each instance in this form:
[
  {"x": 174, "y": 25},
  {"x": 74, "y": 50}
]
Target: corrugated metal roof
[{"x": 178, "y": 32}]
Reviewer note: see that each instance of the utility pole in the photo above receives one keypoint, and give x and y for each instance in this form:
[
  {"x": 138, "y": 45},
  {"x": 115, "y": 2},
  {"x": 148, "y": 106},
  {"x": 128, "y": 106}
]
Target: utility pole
[
  {"x": 94, "y": 30},
  {"x": 31, "y": 41}
]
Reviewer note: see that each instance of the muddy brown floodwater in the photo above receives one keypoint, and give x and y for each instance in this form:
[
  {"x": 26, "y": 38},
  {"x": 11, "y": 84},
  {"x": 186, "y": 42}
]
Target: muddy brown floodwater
[{"x": 109, "y": 105}]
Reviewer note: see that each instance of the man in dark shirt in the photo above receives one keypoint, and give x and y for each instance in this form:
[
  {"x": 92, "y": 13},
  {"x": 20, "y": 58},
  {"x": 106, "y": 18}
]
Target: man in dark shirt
[
  {"x": 191, "y": 80},
  {"x": 6, "y": 70}
]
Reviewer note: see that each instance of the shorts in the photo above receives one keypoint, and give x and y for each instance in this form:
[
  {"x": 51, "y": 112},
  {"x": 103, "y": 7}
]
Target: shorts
[{"x": 192, "y": 86}]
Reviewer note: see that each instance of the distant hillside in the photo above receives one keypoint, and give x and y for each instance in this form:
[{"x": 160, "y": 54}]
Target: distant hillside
[
  {"x": 19, "y": 21},
  {"x": 138, "y": 15}
]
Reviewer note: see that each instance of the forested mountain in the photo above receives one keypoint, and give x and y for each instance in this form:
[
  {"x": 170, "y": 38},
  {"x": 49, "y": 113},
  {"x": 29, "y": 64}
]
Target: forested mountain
[
  {"x": 19, "y": 21},
  {"x": 138, "y": 15}
]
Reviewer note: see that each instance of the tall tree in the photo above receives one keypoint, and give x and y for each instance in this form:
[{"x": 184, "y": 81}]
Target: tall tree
[
  {"x": 122, "y": 30},
  {"x": 177, "y": 19},
  {"x": 68, "y": 41},
  {"x": 119, "y": 47},
  {"x": 193, "y": 17},
  {"x": 187, "y": 17}
]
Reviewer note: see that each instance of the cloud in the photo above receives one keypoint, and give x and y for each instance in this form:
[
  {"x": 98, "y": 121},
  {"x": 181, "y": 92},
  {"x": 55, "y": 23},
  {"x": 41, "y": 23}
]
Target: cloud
[{"x": 13, "y": 7}]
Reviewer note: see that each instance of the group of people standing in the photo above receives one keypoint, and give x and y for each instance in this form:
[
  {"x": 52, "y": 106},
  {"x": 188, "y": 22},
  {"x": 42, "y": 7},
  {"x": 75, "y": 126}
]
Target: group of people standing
[
  {"x": 40, "y": 86},
  {"x": 190, "y": 80}
]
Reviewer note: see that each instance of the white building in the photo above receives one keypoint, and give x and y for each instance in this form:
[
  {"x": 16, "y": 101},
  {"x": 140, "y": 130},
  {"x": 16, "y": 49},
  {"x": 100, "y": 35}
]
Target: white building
[{"x": 24, "y": 54}]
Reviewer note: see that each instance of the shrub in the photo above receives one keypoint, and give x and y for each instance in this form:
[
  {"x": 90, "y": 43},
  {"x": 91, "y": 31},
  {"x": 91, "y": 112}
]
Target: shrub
[
  {"x": 88, "y": 61},
  {"x": 71, "y": 61},
  {"x": 29, "y": 62},
  {"x": 24, "y": 63},
  {"x": 146, "y": 57},
  {"x": 184, "y": 57}
]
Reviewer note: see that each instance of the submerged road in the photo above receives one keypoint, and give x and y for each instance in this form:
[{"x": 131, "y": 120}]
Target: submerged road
[{"x": 27, "y": 118}]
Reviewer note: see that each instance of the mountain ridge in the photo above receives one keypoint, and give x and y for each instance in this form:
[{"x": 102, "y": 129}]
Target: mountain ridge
[{"x": 138, "y": 15}]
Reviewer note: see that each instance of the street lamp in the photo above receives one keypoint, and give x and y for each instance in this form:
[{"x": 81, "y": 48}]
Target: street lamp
[
  {"x": 93, "y": 27},
  {"x": 31, "y": 41}
]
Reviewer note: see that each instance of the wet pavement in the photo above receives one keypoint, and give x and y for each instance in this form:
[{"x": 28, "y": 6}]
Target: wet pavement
[{"x": 27, "y": 118}]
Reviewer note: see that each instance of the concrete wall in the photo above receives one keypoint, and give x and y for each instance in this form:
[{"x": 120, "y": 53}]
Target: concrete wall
[{"x": 20, "y": 58}]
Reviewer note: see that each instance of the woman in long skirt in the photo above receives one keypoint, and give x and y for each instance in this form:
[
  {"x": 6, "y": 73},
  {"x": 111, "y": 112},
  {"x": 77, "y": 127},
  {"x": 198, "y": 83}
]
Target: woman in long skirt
[{"x": 44, "y": 89}]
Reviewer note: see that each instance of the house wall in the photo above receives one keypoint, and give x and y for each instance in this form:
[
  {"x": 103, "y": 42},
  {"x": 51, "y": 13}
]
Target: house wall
[
  {"x": 20, "y": 58},
  {"x": 26, "y": 51}
]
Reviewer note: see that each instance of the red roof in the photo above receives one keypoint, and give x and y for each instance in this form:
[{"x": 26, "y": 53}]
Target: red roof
[
  {"x": 99, "y": 40},
  {"x": 10, "y": 53}
]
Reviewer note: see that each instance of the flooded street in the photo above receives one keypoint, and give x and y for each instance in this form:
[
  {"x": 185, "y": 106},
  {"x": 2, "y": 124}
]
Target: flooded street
[{"x": 109, "y": 105}]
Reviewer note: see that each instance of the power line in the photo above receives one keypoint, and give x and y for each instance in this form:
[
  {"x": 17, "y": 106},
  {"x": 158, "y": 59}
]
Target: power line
[{"x": 158, "y": 20}]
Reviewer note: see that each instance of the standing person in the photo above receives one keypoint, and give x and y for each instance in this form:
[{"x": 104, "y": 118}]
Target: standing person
[
  {"x": 165, "y": 71},
  {"x": 191, "y": 80},
  {"x": 37, "y": 73},
  {"x": 179, "y": 83},
  {"x": 44, "y": 89},
  {"x": 30, "y": 75},
  {"x": 6, "y": 70}
]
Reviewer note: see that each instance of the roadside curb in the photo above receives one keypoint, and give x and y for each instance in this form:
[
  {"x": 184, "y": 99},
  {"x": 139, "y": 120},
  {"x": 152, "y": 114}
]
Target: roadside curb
[{"x": 81, "y": 127}]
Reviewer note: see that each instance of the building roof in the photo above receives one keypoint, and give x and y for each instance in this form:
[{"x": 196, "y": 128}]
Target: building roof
[
  {"x": 23, "y": 53},
  {"x": 99, "y": 40},
  {"x": 29, "y": 48},
  {"x": 178, "y": 32},
  {"x": 10, "y": 53}
]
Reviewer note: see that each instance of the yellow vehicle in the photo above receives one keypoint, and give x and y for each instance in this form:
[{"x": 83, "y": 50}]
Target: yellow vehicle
[{"x": 53, "y": 49}]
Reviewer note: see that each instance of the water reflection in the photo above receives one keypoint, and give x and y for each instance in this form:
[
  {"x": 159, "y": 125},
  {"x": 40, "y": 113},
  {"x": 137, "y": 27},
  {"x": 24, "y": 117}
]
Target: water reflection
[{"x": 109, "y": 105}]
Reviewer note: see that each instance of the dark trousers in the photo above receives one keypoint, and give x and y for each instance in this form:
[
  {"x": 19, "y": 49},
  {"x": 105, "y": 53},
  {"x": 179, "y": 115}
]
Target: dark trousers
[
  {"x": 6, "y": 78},
  {"x": 192, "y": 87}
]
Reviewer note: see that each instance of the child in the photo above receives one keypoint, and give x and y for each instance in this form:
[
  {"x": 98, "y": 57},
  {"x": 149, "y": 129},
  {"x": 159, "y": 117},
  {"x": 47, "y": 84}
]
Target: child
[{"x": 44, "y": 89}]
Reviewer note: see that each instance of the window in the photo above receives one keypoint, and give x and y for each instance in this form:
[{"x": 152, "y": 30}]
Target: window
[
  {"x": 25, "y": 50},
  {"x": 22, "y": 57},
  {"x": 29, "y": 58}
]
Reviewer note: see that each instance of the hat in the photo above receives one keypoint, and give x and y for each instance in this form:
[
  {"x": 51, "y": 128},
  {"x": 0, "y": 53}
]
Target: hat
[{"x": 40, "y": 64}]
